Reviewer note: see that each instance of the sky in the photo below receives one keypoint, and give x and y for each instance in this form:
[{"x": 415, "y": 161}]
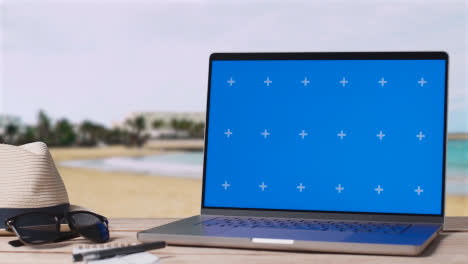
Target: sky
[{"x": 102, "y": 60}]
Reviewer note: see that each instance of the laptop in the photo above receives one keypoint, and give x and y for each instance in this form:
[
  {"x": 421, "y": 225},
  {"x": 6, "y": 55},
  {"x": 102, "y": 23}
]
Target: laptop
[{"x": 328, "y": 152}]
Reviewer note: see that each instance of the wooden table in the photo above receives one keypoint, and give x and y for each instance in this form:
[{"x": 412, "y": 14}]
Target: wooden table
[{"x": 450, "y": 247}]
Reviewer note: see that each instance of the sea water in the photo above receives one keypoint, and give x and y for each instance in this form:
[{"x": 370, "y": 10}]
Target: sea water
[
  {"x": 457, "y": 167},
  {"x": 187, "y": 165}
]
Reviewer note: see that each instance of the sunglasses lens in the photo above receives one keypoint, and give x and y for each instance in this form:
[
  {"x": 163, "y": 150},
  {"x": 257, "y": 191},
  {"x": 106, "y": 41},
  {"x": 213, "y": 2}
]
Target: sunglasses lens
[
  {"x": 36, "y": 228},
  {"x": 90, "y": 226}
]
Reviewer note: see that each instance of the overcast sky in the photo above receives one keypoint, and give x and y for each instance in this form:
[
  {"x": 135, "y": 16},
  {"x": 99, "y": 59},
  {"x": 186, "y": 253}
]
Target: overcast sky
[{"x": 101, "y": 60}]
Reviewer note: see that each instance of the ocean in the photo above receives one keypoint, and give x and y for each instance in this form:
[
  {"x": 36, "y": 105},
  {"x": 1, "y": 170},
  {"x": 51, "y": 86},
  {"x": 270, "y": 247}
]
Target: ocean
[
  {"x": 457, "y": 167},
  {"x": 187, "y": 164}
]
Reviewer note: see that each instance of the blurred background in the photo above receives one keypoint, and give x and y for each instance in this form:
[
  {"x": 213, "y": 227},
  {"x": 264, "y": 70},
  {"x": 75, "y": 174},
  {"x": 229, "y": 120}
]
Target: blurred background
[{"x": 117, "y": 89}]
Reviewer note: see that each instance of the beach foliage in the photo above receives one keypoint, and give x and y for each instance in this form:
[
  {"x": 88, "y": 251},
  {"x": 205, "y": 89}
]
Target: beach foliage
[{"x": 135, "y": 131}]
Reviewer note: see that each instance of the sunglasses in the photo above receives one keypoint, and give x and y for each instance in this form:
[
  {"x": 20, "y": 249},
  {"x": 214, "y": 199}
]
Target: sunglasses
[{"x": 36, "y": 228}]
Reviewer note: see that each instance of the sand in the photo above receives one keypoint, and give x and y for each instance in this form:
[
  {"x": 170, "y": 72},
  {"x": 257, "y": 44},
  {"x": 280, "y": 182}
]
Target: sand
[
  {"x": 123, "y": 194},
  {"x": 132, "y": 195},
  {"x": 456, "y": 205}
]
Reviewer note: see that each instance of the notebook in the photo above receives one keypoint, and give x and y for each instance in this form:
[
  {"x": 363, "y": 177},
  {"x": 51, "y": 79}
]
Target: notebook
[{"x": 137, "y": 258}]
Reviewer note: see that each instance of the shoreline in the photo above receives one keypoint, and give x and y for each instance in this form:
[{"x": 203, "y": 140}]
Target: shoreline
[
  {"x": 457, "y": 136},
  {"x": 153, "y": 147}
]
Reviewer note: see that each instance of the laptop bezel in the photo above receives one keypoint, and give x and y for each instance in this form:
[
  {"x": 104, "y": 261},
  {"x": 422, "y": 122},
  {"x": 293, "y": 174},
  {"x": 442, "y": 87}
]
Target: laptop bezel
[{"x": 358, "y": 216}]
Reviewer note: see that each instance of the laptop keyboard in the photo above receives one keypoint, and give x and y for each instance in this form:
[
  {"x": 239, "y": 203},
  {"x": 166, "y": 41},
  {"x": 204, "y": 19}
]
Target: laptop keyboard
[{"x": 303, "y": 224}]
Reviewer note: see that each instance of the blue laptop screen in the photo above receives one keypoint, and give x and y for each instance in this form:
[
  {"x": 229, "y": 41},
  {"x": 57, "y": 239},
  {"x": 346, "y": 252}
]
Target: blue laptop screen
[{"x": 326, "y": 135}]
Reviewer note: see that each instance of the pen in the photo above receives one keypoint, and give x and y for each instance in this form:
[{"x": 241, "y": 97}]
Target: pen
[{"x": 108, "y": 253}]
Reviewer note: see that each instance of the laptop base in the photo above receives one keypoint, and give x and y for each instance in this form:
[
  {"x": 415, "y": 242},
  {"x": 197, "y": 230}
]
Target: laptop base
[{"x": 190, "y": 232}]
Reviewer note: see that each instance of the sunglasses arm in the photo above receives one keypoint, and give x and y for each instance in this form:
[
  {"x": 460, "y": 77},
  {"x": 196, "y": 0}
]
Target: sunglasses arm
[
  {"x": 16, "y": 243},
  {"x": 11, "y": 227}
]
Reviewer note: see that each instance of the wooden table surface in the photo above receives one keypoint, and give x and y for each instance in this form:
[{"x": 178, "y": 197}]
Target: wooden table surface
[{"x": 449, "y": 247}]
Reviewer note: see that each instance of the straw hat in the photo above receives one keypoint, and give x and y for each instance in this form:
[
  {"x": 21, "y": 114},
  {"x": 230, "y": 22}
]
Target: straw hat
[{"x": 29, "y": 182}]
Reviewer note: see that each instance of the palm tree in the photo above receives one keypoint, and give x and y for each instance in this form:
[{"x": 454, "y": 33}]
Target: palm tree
[
  {"x": 29, "y": 135},
  {"x": 137, "y": 124},
  {"x": 182, "y": 125},
  {"x": 115, "y": 136},
  {"x": 175, "y": 124},
  {"x": 64, "y": 133},
  {"x": 140, "y": 123},
  {"x": 91, "y": 133},
  {"x": 43, "y": 127},
  {"x": 198, "y": 130},
  {"x": 185, "y": 125},
  {"x": 11, "y": 131},
  {"x": 157, "y": 124},
  {"x": 86, "y": 133}
]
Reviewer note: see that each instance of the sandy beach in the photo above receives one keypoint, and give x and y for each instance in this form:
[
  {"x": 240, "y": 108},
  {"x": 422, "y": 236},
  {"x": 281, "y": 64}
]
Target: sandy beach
[
  {"x": 122, "y": 194},
  {"x": 127, "y": 195},
  {"x": 456, "y": 205}
]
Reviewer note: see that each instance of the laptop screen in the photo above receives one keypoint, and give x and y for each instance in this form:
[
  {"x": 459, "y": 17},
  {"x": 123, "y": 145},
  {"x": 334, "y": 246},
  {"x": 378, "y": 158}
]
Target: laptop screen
[{"x": 338, "y": 135}]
